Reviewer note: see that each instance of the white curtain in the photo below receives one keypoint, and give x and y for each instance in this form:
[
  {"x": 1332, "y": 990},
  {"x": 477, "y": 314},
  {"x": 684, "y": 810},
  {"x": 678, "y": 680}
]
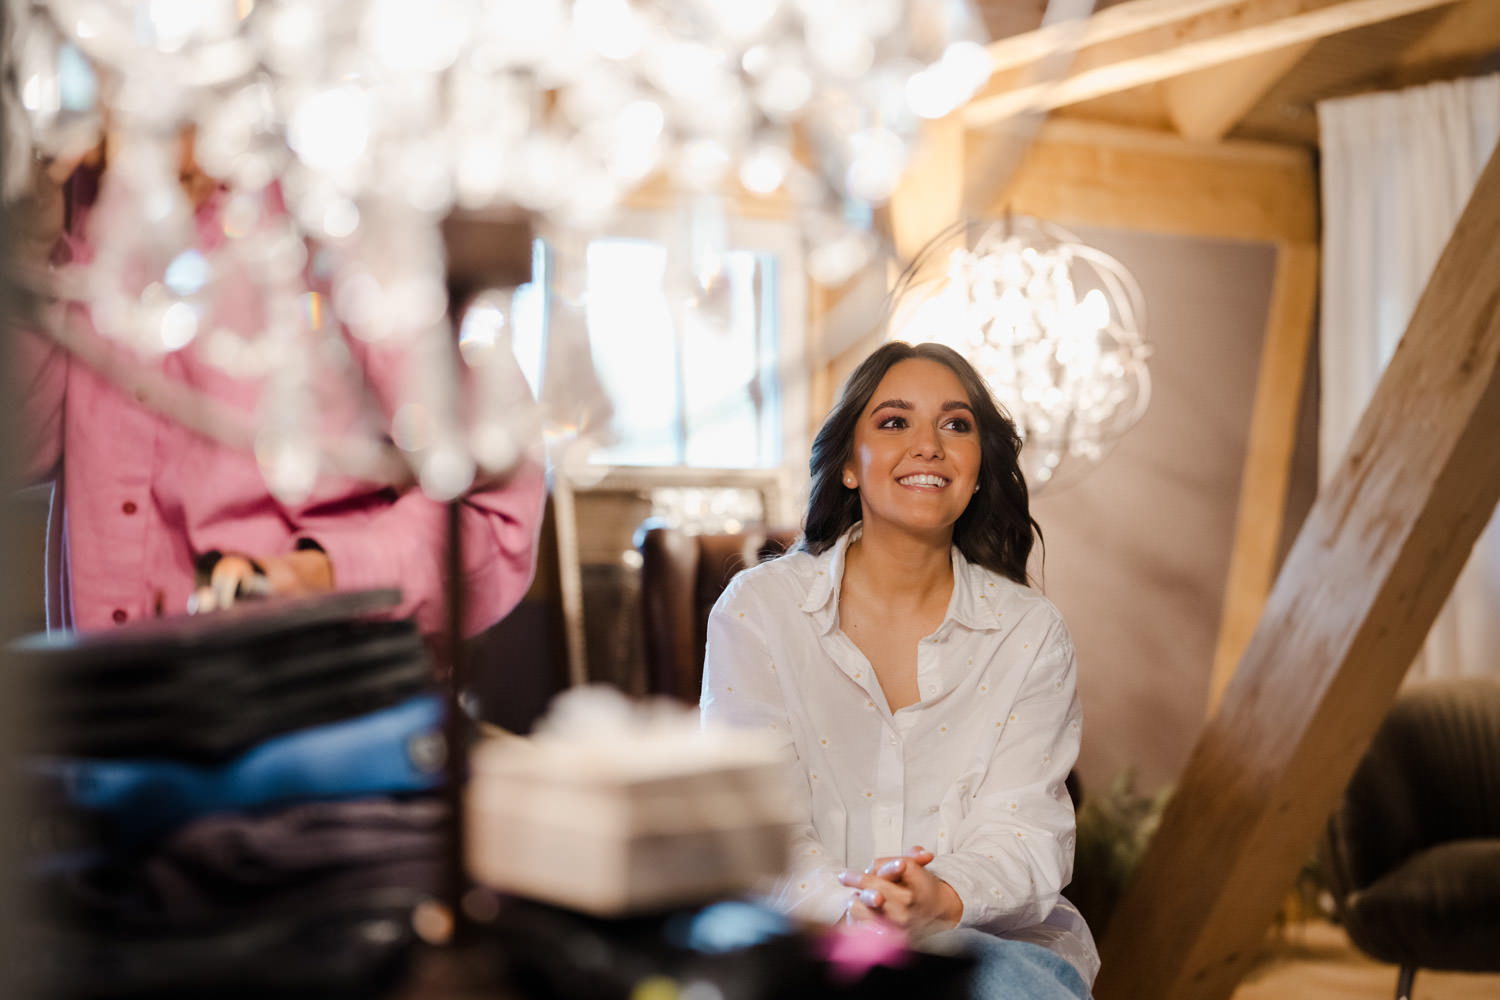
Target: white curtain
[{"x": 1397, "y": 170}]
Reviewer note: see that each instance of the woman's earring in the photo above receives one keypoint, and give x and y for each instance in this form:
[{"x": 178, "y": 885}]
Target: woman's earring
[
  {"x": 976, "y": 487},
  {"x": 849, "y": 481}
]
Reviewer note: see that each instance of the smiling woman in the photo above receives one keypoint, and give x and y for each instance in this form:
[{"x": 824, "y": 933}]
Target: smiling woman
[
  {"x": 996, "y": 530},
  {"x": 915, "y": 459},
  {"x": 924, "y": 695}
]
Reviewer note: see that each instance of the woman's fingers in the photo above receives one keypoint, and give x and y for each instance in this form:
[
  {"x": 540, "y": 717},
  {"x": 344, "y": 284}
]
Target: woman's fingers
[
  {"x": 237, "y": 576},
  {"x": 858, "y": 913},
  {"x": 877, "y": 893},
  {"x": 233, "y": 577},
  {"x": 900, "y": 890}
]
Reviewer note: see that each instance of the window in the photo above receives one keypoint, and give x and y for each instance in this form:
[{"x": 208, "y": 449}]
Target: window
[{"x": 715, "y": 379}]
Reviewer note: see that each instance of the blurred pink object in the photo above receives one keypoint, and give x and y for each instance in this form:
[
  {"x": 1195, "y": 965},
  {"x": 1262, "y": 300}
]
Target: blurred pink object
[{"x": 854, "y": 949}]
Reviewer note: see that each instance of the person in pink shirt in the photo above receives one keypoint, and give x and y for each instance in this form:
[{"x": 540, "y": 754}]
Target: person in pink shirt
[{"x": 146, "y": 511}]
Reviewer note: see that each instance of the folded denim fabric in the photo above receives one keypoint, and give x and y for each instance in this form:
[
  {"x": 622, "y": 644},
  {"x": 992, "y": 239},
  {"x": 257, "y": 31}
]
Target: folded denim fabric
[{"x": 391, "y": 751}]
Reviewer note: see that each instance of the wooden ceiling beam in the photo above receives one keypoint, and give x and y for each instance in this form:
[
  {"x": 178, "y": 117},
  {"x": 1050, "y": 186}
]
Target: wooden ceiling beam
[
  {"x": 1203, "y": 36},
  {"x": 1456, "y": 46},
  {"x": 1207, "y": 104},
  {"x": 1083, "y": 173},
  {"x": 1368, "y": 573},
  {"x": 1116, "y": 21}
]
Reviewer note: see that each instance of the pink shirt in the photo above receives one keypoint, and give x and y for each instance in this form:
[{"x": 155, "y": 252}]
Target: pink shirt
[{"x": 137, "y": 497}]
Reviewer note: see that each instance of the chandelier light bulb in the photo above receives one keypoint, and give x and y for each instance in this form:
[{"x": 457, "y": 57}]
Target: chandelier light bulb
[{"x": 1070, "y": 371}]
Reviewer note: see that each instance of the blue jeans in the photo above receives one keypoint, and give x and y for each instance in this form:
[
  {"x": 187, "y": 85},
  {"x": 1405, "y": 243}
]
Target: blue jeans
[{"x": 1011, "y": 970}]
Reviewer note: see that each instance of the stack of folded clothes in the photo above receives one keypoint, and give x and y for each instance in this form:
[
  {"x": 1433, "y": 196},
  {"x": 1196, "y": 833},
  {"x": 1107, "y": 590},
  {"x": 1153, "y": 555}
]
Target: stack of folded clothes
[{"x": 246, "y": 802}]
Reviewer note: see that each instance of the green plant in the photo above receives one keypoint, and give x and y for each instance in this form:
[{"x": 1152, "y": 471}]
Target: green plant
[{"x": 1114, "y": 827}]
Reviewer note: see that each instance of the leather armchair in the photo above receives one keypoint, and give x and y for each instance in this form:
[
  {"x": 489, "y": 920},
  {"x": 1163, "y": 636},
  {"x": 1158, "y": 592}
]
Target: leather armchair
[
  {"x": 1412, "y": 852},
  {"x": 682, "y": 575}
]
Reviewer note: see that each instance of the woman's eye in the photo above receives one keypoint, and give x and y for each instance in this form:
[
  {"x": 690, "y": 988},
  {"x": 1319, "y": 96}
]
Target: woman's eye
[
  {"x": 893, "y": 423},
  {"x": 959, "y": 424}
]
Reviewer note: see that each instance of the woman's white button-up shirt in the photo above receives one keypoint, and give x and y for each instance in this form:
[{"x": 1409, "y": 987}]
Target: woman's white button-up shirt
[{"x": 975, "y": 771}]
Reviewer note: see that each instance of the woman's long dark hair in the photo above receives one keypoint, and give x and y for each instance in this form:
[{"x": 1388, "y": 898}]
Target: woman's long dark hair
[{"x": 996, "y": 530}]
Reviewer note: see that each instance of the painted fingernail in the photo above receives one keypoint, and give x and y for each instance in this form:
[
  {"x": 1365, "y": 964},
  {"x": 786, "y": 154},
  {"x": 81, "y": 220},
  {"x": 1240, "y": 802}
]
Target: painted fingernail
[
  {"x": 869, "y": 897},
  {"x": 891, "y": 868}
]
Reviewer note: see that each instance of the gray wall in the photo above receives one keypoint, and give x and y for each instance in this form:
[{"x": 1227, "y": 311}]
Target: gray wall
[{"x": 1138, "y": 549}]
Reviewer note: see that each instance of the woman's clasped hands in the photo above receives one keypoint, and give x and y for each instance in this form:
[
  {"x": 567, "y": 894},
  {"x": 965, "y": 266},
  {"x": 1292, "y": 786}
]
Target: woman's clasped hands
[{"x": 902, "y": 892}]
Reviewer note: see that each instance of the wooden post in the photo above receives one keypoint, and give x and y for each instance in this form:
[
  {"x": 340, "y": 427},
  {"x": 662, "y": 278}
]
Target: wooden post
[
  {"x": 931, "y": 192},
  {"x": 1268, "y": 457},
  {"x": 1370, "y": 569}
]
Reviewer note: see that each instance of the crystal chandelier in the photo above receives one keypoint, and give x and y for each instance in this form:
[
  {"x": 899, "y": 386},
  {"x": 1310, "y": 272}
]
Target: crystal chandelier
[
  {"x": 344, "y": 131},
  {"x": 1055, "y": 327}
]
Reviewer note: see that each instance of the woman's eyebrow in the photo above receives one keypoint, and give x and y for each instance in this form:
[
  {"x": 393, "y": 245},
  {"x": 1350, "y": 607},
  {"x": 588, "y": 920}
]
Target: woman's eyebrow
[
  {"x": 957, "y": 404},
  {"x": 896, "y": 404}
]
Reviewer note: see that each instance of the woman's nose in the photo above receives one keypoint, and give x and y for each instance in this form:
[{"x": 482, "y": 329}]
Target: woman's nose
[{"x": 927, "y": 442}]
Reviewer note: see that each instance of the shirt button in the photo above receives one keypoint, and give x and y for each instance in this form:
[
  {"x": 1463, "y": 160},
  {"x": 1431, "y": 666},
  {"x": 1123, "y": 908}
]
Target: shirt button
[
  {"x": 119, "y": 616},
  {"x": 128, "y": 506}
]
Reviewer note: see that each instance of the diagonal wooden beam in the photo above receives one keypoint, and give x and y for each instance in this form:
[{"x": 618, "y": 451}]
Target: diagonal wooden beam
[
  {"x": 1370, "y": 569},
  {"x": 1200, "y": 39},
  {"x": 1119, "y": 20}
]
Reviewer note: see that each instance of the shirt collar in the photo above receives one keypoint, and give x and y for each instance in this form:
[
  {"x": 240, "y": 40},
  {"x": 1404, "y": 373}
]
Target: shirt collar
[
  {"x": 975, "y": 604},
  {"x": 822, "y": 598}
]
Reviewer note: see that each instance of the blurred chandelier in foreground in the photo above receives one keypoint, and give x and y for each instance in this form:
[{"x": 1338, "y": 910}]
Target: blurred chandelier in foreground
[
  {"x": 371, "y": 120},
  {"x": 1053, "y": 325},
  {"x": 560, "y": 108}
]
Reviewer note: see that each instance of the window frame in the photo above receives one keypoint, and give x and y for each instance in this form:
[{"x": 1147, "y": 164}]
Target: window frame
[{"x": 784, "y": 370}]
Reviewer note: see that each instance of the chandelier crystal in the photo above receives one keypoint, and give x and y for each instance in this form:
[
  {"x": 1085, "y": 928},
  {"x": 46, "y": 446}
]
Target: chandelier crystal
[
  {"x": 344, "y": 131},
  {"x": 1054, "y": 326}
]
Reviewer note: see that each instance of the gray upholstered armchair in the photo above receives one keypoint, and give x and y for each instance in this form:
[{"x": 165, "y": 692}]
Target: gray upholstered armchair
[{"x": 1412, "y": 853}]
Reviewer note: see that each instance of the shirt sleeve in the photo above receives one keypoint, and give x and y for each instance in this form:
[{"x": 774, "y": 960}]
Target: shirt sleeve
[
  {"x": 741, "y": 688},
  {"x": 39, "y": 380},
  {"x": 1013, "y": 850},
  {"x": 404, "y": 543}
]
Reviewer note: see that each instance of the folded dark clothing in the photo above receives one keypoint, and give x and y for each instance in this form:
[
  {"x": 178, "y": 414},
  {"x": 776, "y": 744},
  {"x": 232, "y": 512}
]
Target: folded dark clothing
[
  {"x": 133, "y": 802},
  {"x": 333, "y": 945},
  {"x": 161, "y": 901},
  {"x": 270, "y": 847},
  {"x": 230, "y": 867},
  {"x": 204, "y": 688}
]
